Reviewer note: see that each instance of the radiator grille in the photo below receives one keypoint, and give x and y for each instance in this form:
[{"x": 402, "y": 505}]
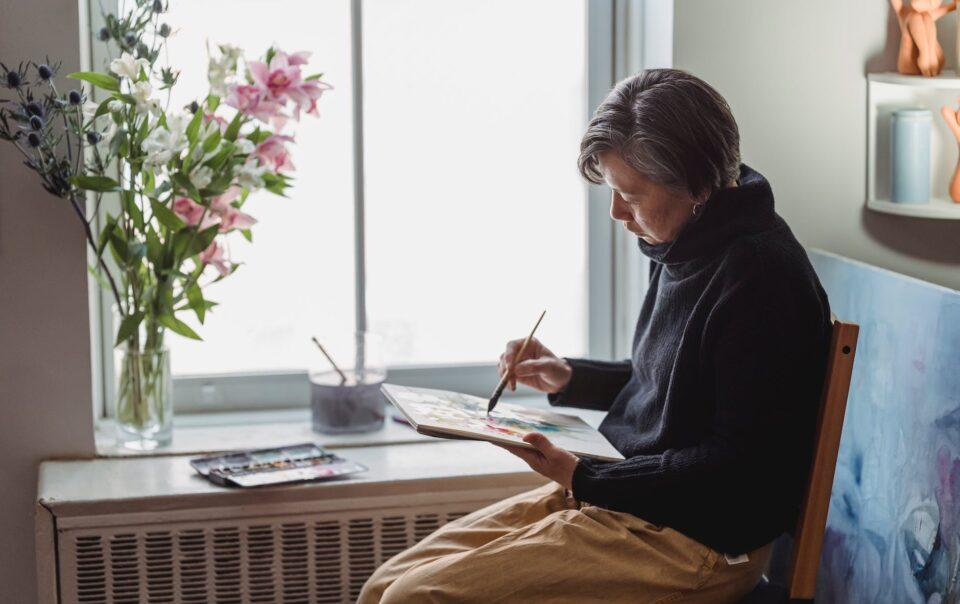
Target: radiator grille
[{"x": 324, "y": 558}]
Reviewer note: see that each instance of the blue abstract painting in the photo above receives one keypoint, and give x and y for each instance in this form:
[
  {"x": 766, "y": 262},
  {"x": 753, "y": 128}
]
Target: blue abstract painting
[{"x": 893, "y": 532}]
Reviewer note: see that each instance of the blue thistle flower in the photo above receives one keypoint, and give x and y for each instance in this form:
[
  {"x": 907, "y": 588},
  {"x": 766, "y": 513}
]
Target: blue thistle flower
[
  {"x": 44, "y": 71},
  {"x": 34, "y": 108},
  {"x": 36, "y": 123},
  {"x": 33, "y": 139},
  {"x": 93, "y": 137},
  {"x": 13, "y": 79},
  {"x": 104, "y": 34},
  {"x": 75, "y": 97}
]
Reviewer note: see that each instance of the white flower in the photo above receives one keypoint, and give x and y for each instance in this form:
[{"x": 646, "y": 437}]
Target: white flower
[
  {"x": 250, "y": 175},
  {"x": 244, "y": 146},
  {"x": 201, "y": 177},
  {"x": 89, "y": 109},
  {"x": 128, "y": 67},
  {"x": 141, "y": 93},
  {"x": 163, "y": 144},
  {"x": 223, "y": 68},
  {"x": 115, "y": 106}
]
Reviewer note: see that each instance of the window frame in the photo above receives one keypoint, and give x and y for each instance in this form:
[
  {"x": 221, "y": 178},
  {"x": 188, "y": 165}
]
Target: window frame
[{"x": 616, "y": 276}]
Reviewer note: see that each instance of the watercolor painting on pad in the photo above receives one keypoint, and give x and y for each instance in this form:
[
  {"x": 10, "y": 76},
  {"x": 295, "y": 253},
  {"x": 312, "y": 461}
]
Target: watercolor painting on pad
[{"x": 455, "y": 415}]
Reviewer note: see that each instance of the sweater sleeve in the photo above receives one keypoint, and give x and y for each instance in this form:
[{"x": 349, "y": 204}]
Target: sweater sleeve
[
  {"x": 756, "y": 358},
  {"x": 593, "y": 384}
]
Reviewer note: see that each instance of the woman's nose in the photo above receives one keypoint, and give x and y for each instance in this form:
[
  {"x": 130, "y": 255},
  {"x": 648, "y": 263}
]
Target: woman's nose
[{"x": 619, "y": 209}]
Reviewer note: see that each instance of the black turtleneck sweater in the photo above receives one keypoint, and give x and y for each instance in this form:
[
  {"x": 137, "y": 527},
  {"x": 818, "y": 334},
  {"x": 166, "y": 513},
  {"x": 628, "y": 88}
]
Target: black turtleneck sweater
[{"x": 715, "y": 413}]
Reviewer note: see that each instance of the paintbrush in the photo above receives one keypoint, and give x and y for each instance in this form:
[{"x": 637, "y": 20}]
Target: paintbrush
[
  {"x": 343, "y": 376},
  {"x": 506, "y": 374}
]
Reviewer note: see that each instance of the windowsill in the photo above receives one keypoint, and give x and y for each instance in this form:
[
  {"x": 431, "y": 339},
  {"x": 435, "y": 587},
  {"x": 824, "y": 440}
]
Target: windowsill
[{"x": 203, "y": 433}]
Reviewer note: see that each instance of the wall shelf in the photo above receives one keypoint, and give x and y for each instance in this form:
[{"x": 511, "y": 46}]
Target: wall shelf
[
  {"x": 948, "y": 80},
  {"x": 943, "y": 209},
  {"x": 887, "y": 92}
]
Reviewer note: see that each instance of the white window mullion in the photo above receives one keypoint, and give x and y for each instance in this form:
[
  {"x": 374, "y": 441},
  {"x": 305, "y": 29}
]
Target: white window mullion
[
  {"x": 356, "y": 48},
  {"x": 600, "y": 231}
]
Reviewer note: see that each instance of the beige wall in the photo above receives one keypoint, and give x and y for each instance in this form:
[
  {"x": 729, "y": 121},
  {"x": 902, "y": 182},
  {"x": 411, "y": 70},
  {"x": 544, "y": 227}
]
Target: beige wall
[
  {"x": 45, "y": 390},
  {"x": 794, "y": 74}
]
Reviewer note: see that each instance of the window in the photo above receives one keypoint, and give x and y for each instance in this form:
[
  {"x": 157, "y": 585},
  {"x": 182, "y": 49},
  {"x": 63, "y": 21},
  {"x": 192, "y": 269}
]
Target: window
[
  {"x": 475, "y": 216},
  {"x": 297, "y": 276},
  {"x": 473, "y": 117}
]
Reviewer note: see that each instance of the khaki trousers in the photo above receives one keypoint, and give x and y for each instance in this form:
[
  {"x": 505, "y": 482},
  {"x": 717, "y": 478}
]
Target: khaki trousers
[{"x": 542, "y": 546}]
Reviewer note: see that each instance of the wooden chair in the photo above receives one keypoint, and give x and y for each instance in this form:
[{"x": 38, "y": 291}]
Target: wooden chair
[{"x": 801, "y": 575}]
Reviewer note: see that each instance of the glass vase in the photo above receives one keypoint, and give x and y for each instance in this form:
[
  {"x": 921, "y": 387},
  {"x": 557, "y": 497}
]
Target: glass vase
[{"x": 144, "y": 397}]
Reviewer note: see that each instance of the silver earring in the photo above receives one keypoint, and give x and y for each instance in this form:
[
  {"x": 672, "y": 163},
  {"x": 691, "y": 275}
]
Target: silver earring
[{"x": 696, "y": 208}]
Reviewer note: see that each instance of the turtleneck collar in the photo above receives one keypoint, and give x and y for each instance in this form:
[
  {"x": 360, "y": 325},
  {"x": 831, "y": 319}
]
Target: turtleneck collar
[{"x": 726, "y": 215}]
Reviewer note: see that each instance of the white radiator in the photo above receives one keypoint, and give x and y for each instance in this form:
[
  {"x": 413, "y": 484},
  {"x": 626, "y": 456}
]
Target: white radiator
[
  {"x": 317, "y": 551},
  {"x": 322, "y": 558}
]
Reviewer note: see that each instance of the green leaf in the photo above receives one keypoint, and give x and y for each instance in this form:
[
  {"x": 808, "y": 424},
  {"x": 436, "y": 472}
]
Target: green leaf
[
  {"x": 211, "y": 142},
  {"x": 203, "y": 240},
  {"x": 103, "y": 108},
  {"x": 247, "y": 234},
  {"x": 136, "y": 250},
  {"x": 193, "y": 129},
  {"x": 143, "y": 131},
  {"x": 100, "y": 80},
  {"x": 132, "y": 209},
  {"x": 313, "y": 77},
  {"x": 166, "y": 217},
  {"x": 183, "y": 182},
  {"x": 99, "y": 278},
  {"x": 258, "y": 136},
  {"x": 128, "y": 327},
  {"x": 154, "y": 248},
  {"x": 233, "y": 129},
  {"x": 213, "y": 101},
  {"x": 178, "y": 326},
  {"x": 101, "y": 184},
  {"x": 118, "y": 245},
  {"x": 105, "y": 235},
  {"x": 195, "y": 296},
  {"x": 207, "y": 305},
  {"x": 122, "y": 144}
]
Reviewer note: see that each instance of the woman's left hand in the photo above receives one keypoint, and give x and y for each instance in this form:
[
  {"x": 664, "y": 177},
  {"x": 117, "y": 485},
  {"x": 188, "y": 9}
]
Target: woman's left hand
[{"x": 546, "y": 459}]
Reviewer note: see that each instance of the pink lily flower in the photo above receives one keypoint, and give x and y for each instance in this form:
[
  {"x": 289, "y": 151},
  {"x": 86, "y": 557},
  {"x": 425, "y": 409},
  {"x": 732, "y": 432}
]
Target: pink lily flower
[
  {"x": 209, "y": 117},
  {"x": 283, "y": 81},
  {"x": 254, "y": 101},
  {"x": 273, "y": 152},
  {"x": 192, "y": 213},
  {"x": 214, "y": 255},
  {"x": 231, "y": 217}
]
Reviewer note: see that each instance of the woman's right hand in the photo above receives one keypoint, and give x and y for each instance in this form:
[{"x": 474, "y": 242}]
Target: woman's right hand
[{"x": 538, "y": 368}]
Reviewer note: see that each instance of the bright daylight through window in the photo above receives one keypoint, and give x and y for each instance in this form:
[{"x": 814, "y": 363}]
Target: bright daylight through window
[{"x": 473, "y": 113}]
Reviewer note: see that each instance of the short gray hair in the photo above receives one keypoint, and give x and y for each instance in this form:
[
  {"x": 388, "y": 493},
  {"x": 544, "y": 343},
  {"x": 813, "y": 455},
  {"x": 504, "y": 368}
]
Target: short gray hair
[{"x": 671, "y": 127}]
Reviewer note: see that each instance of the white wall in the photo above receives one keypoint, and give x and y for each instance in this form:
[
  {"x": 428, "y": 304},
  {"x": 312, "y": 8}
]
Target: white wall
[
  {"x": 794, "y": 74},
  {"x": 45, "y": 389}
]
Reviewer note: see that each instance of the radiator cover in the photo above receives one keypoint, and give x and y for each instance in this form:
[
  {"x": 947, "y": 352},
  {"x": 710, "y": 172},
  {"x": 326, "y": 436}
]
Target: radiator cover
[
  {"x": 148, "y": 530},
  {"x": 293, "y": 559}
]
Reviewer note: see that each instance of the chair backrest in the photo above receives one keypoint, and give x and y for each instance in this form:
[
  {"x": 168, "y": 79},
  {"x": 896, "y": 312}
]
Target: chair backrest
[{"x": 808, "y": 539}]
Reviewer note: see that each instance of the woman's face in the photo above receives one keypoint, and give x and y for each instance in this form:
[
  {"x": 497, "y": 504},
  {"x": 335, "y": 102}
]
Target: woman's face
[{"x": 650, "y": 211}]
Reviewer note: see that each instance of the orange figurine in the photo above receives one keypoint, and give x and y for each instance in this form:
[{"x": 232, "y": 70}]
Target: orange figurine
[
  {"x": 920, "y": 52},
  {"x": 952, "y": 117}
]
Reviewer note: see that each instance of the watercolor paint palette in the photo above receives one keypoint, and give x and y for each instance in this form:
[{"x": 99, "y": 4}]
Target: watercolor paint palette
[
  {"x": 262, "y": 467},
  {"x": 448, "y": 414}
]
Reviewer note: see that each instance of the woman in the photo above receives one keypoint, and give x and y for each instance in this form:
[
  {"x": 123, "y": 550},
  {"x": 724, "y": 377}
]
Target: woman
[{"x": 714, "y": 413}]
